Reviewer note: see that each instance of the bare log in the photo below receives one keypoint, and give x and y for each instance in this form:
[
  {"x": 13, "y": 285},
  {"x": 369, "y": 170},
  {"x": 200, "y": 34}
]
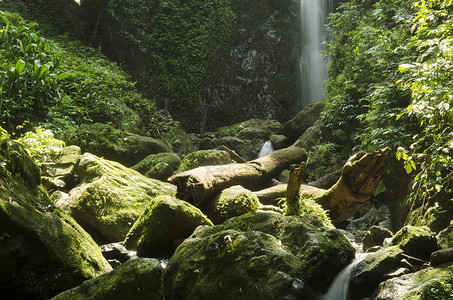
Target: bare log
[
  {"x": 360, "y": 175},
  {"x": 199, "y": 184},
  {"x": 296, "y": 174}
]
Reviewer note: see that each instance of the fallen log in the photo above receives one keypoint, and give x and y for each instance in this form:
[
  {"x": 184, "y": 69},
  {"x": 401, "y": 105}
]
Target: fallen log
[
  {"x": 197, "y": 185},
  {"x": 360, "y": 175}
]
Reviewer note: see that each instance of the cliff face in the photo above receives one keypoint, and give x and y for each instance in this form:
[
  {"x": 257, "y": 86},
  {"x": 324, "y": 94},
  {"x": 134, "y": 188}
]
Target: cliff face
[
  {"x": 259, "y": 76},
  {"x": 203, "y": 59}
]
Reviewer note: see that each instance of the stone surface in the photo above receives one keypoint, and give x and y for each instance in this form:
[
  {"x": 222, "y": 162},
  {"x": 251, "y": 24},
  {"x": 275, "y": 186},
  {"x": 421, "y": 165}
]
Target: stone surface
[
  {"x": 43, "y": 251},
  {"x": 305, "y": 119},
  {"x": 445, "y": 237},
  {"x": 430, "y": 283},
  {"x": 204, "y": 158},
  {"x": 113, "y": 144},
  {"x": 60, "y": 173},
  {"x": 158, "y": 166},
  {"x": 139, "y": 279},
  {"x": 410, "y": 241},
  {"x": 375, "y": 236},
  {"x": 232, "y": 202},
  {"x": 110, "y": 197},
  {"x": 262, "y": 255},
  {"x": 164, "y": 221}
]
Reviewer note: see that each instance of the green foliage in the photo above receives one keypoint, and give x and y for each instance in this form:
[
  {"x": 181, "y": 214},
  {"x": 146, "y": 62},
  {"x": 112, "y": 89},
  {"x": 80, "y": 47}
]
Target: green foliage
[
  {"x": 430, "y": 86},
  {"x": 61, "y": 84},
  {"x": 176, "y": 39},
  {"x": 41, "y": 144},
  {"x": 391, "y": 86},
  {"x": 28, "y": 78}
]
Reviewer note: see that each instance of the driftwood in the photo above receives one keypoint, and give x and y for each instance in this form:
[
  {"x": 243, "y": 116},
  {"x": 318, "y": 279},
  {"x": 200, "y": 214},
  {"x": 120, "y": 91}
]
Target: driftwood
[
  {"x": 360, "y": 175},
  {"x": 197, "y": 185}
]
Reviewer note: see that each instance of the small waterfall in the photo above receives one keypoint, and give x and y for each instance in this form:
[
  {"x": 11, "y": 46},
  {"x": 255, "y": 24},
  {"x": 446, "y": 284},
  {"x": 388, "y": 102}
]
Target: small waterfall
[
  {"x": 266, "y": 149},
  {"x": 339, "y": 289},
  {"x": 313, "y": 67}
]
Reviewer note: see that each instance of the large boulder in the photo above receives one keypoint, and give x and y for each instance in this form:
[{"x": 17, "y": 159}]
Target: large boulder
[
  {"x": 164, "y": 221},
  {"x": 43, "y": 251},
  {"x": 410, "y": 241},
  {"x": 113, "y": 144},
  {"x": 110, "y": 197},
  {"x": 232, "y": 202},
  {"x": 305, "y": 119},
  {"x": 158, "y": 166},
  {"x": 60, "y": 172},
  {"x": 445, "y": 237},
  {"x": 375, "y": 236},
  {"x": 204, "y": 158},
  {"x": 139, "y": 279},
  {"x": 430, "y": 283},
  {"x": 262, "y": 255}
]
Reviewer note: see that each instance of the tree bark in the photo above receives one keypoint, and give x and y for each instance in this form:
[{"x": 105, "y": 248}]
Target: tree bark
[
  {"x": 360, "y": 175},
  {"x": 293, "y": 189},
  {"x": 197, "y": 185}
]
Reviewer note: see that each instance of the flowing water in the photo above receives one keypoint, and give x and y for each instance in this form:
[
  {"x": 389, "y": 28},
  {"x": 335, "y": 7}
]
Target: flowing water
[
  {"x": 339, "y": 289},
  {"x": 266, "y": 149},
  {"x": 313, "y": 66}
]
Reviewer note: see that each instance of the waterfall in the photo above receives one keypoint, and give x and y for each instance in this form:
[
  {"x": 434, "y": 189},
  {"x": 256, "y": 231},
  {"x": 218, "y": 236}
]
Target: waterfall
[
  {"x": 339, "y": 289},
  {"x": 313, "y": 67},
  {"x": 266, "y": 149}
]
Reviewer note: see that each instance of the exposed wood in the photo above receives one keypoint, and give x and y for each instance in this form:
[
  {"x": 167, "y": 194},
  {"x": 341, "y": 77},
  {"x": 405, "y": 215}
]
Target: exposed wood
[
  {"x": 296, "y": 174},
  {"x": 199, "y": 184},
  {"x": 360, "y": 175},
  {"x": 234, "y": 156}
]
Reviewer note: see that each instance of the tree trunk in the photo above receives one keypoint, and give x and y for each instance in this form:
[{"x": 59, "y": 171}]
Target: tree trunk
[
  {"x": 360, "y": 175},
  {"x": 199, "y": 184},
  {"x": 293, "y": 189}
]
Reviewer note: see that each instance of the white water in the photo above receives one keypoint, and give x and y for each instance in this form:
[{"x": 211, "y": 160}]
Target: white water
[
  {"x": 339, "y": 289},
  {"x": 266, "y": 149},
  {"x": 313, "y": 67}
]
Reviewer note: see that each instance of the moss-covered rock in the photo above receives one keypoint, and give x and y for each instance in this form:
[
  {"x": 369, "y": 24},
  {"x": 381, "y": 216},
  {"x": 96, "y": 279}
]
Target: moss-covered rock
[
  {"x": 305, "y": 119},
  {"x": 165, "y": 220},
  {"x": 369, "y": 272},
  {"x": 61, "y": 168},
  {"x": 158, "y": 166},
  {"x": 429, "y": 284},
  {"x": 445, "y": 237},
  {"x": 415, "y": 241},
  {"x": 110, "y": 197},
  {"x": 232, "y": 202},
  {"x": 262, "y": 255},
  {"x": 375, "y": 236},
  {"x": 139, "y": 279},
  {"x": 43, "y": 251},
  {"x": 204, "y": 158},
  {"x": 113, "y": 144}
]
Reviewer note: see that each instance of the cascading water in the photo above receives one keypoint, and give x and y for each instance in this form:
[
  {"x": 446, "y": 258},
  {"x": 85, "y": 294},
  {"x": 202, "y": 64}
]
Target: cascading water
[
  {"x": 266, "y": 149},
  {"x": 339, "y": 289},
  {"x": 313, "y": 66}
]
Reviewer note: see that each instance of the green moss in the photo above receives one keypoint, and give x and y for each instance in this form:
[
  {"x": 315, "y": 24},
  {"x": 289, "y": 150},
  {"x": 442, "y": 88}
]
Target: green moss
[
  {"x": 111, "y": 197},
  {"x": 45, "y": 257},
  {"x": 415, "y": 241},
  {"x": 139, "y": 278},
  {"x": 204, "y": 158},
  {"x": 232, "y": 202},
  {"x": 155, "y": 230},
  {"x": 148, "y": 166}
]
